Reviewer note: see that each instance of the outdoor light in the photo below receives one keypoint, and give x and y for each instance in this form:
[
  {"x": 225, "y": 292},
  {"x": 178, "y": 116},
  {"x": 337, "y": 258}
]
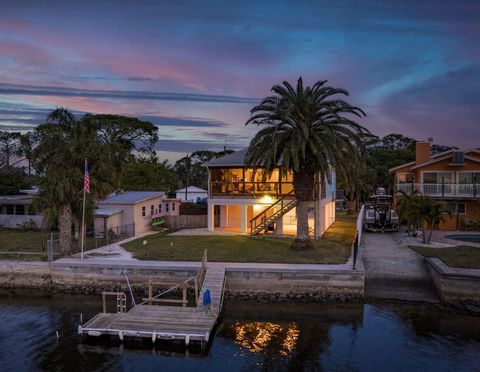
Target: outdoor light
[{"x": 267, "y": 199}]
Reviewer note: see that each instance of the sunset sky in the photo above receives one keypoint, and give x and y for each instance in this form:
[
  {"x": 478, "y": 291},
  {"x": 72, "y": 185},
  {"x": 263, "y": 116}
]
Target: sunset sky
[{"x": 195, "y": 68}]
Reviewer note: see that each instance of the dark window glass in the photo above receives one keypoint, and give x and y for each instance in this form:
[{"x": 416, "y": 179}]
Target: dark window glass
[{"x": 20, "y": 209}]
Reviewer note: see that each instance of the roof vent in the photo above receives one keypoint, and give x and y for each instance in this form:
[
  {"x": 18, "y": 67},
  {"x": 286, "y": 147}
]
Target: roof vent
[{"x": 457, "y": 157}]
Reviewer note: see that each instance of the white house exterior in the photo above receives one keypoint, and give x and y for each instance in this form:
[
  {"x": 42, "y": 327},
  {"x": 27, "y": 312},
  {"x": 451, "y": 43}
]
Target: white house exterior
[
  {"x": 247, "y": 204},
  {"x": 193, "y": 194}
]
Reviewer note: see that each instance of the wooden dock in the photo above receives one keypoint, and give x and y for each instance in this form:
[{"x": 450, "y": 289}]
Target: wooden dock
[{"x": 155, "y": 322}]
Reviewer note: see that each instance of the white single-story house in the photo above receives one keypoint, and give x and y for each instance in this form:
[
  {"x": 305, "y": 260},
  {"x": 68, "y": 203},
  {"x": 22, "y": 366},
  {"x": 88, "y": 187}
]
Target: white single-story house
[
  {"x": 192, "y": 194},
  {"x": 248, "y": 203},
  {"x": 17, "y": 209},
  {"x": 134, "y": 210}
]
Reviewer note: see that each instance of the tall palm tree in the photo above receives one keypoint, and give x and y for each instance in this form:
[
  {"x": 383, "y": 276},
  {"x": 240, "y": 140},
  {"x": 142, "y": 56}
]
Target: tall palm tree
[{"x": 309, "y": 131}]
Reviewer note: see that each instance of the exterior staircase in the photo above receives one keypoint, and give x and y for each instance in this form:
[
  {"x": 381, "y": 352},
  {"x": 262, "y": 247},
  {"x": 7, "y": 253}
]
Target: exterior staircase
[{"x": 265, "y": 220}]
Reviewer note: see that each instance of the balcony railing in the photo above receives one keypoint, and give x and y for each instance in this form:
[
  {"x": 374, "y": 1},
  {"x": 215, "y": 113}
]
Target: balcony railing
[
  {"x": 250, "y": 188},
  {"x": 441, "y": 190}
]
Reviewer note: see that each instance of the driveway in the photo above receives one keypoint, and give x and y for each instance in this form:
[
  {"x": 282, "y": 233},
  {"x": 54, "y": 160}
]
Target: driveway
[{"x": 394, "y": 271}]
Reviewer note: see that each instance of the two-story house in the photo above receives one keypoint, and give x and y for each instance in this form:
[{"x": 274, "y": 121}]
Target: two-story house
[
  {"x": 249, "y": 203},
  {"x": 451, "y": 176}
]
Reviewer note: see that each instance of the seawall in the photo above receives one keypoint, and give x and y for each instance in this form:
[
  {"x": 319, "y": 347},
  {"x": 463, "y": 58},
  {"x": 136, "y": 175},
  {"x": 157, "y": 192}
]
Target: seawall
[{"x": 268, "y": 282}]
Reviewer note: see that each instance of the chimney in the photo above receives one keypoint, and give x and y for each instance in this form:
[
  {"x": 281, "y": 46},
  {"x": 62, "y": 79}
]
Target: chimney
[{"x": 422, "y": 152}]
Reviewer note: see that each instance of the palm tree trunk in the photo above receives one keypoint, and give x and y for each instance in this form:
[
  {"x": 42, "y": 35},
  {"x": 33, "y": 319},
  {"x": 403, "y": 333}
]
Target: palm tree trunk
[
  {"x": 303, "y": 183},
  {"x": 351, "y": 206},
  {"x": 65, "y": 227}
]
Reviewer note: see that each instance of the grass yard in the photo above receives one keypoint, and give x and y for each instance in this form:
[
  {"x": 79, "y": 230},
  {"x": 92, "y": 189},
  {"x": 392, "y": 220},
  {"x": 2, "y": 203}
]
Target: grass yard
[
  {"x": 34, "y": 241},
  {"x": 462, "y": 256},
  {"x": 16, "y": 240},
  {"x": 333, "y": 248}
]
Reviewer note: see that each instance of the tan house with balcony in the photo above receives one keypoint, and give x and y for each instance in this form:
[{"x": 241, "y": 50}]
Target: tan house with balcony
[
  {"x": 249, "y": 203},
  {"x": 451, "y": 176}
]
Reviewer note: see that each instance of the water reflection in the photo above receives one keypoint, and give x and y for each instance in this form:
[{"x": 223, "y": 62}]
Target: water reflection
[
  {"x": 250, "y": 336},
  {"x": 257, "y": 336}
]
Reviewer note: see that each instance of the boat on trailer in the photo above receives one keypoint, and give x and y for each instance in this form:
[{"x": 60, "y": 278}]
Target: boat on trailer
[{"x": 380, "y": 215}]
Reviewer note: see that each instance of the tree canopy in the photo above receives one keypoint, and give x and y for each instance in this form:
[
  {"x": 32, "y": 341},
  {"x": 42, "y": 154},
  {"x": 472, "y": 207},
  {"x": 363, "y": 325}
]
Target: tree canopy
[
  {"x": 308, "y": 130},
  {"x": 148, "y": 174},
  {"x": 190, "y": 170},
  {"x": 61, "y": 147}
]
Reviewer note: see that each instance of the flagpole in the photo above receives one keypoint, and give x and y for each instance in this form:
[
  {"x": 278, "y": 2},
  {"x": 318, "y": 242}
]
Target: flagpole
[{"x": 83, "y": 216}]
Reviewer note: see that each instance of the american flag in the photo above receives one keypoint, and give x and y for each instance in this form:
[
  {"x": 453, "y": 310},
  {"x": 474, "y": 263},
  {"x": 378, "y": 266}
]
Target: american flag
[{"x": 86, "y": 179}]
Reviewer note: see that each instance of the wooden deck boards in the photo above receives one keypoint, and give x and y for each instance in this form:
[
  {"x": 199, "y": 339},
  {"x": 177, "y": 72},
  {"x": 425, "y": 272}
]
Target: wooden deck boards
[{"x": 165, "y": 322}]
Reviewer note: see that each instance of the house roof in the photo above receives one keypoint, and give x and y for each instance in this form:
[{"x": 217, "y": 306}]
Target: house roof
[
  {"x": 106, "y": 212},
  {"x": 436, "y": 158},
  {"x": 236, "y": 159},
  {"x": 15, "y": 198},
  {"x": 192, "y": 189},
  {"x": 131, "y": 197}
]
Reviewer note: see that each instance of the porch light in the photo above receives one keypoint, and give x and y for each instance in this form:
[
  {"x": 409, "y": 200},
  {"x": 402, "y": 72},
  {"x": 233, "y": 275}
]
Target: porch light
[{"x": 266, "y": 199}]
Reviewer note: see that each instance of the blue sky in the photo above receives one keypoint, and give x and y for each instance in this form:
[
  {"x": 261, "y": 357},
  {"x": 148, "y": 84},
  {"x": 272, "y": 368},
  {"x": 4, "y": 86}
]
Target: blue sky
[{"x": 195, "y": 68}]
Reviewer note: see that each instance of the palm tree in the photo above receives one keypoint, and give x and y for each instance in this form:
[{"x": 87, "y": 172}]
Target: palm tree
[
  {"x": 308, "y": 131},
  {"x": 408, "y": 208},
  {"x": 62, "y": 144},
  {"x": 432, "y": 213}
]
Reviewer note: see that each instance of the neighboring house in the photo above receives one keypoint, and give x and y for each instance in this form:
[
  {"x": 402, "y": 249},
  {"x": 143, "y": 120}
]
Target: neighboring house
[
  {"x": 451, "y": 176},
  {"x": 247, "y": 204},
  {"x": 135, "y": 209},
  {"x": 192, "y": 194},
  {"x": 17, "y": 209}
]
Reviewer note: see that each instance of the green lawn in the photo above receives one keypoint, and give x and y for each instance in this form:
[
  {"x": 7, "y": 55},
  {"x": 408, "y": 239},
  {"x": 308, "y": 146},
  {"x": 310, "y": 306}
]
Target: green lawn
[
  {"x": 462, "y": 256},
  {"x": 333, "y": 248},
  {"x": 16, "y": 240}
]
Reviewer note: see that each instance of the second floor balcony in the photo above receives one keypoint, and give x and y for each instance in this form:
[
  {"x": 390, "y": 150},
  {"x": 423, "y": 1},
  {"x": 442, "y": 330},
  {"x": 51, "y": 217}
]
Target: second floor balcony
[
  {"x": 441, "y": 190},
  {"x": 220, "y": 188}
]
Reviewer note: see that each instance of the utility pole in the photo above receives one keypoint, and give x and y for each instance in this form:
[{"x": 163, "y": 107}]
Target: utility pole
[{"x": 186, "y": 177}]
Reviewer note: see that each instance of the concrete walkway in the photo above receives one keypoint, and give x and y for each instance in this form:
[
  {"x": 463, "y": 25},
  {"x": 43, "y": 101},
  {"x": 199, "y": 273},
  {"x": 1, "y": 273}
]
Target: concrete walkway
[{"x": 394, "y": 271}]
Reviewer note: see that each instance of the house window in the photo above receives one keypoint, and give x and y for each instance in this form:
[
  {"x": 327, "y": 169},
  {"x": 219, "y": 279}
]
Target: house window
[
  {"x": 437, "y": 177},
  {"x": 152, "y": 209},
  {"x": 454, "y": 208},
  {"x": 20, "y": 209},
  {"x": 405, "y": 178},
  {"x": 173, "y": 206},
  {"x": 160, "y": 208},
  {"x": 166, "y": 207},
  {"x": 465, "y": 178},
  {"x": 144, "y": 212},
  {"x": 10, "y": 209}
]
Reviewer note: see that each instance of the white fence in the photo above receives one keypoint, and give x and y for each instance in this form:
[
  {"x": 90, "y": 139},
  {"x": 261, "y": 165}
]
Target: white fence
[
  {"x": 442, "y": 189},
  {"x": 360, "y": 218},
  {"x": 13, "y": 220}
]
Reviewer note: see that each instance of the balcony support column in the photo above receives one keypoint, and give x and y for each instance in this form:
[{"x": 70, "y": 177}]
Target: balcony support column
[
  {"x": 211, "y": 217},
  {"x": 243, "y": 219}
]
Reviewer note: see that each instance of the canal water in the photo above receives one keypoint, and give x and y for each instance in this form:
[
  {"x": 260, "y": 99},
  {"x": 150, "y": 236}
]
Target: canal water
[{"x": 249, "y": 337}]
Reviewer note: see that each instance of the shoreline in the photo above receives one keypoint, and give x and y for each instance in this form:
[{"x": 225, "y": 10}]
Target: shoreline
[{"x": 265, "y": 284}]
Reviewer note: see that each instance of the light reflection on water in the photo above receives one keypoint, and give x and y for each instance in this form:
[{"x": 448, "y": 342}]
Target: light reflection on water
[{"x": 250, "y": 336}]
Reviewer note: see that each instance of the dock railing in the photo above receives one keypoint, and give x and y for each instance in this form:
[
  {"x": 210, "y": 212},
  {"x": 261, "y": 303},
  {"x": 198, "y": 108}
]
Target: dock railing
[{"x": 197, "y": 281}]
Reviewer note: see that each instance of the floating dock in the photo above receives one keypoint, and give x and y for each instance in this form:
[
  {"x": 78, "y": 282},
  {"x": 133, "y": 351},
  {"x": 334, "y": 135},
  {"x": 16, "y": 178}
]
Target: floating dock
[{"x": 160, "y": 322}]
